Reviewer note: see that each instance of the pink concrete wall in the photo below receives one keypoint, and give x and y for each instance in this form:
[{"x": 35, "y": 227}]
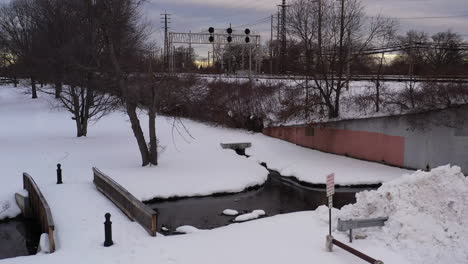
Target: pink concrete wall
[{"x": 359, "y": 144}]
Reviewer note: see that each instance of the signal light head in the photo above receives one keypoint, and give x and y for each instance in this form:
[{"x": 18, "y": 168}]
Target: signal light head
[
  {"x": 229, "y": 39},
  {"x": 247, "y": 31},
  {"x": 229, "y": 30},
  {"x": 247, "y": 40},
  {"x": 211, "y": 30},
  {"x": 211, "y": 39}
]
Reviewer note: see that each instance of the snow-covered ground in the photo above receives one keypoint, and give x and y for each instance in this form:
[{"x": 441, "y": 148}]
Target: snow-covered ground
[
  {"x": 427, "y": 215},
  {"x": 34, "y": 138}
]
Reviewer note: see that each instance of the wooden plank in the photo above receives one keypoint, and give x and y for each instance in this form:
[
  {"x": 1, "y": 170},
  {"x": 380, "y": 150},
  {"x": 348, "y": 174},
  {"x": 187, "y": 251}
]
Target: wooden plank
[
  {"x": 125, "y": 201},
  {"x": 40, "y": 209},
  {"x": 236, "y": 145}
]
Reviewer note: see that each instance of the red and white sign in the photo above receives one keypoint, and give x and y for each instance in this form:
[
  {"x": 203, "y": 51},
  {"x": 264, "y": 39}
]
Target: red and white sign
[{"x": 330, "y": 184}]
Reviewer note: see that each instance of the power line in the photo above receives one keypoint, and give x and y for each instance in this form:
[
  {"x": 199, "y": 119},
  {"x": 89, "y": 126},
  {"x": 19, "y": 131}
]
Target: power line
[
  {"x": 429, "y": 17},
  {"x": 258, "y": 22},
  {"x": 419, "y": 18}
]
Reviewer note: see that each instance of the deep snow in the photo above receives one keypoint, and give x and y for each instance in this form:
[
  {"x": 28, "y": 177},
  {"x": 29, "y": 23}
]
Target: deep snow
[
  {"x": 427, "y": 215},
  {"x": 34, "y": 138}
]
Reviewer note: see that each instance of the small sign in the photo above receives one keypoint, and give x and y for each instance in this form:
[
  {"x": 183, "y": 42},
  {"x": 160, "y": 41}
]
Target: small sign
[{"x": 331, "y": 185}]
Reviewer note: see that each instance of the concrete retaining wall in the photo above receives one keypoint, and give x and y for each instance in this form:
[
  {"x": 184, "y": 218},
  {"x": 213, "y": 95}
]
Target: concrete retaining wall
[{"x": 415, "y": 141}]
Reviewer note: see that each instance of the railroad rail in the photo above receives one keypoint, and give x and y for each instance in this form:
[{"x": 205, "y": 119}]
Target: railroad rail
[{"x": 385, "y": 78}]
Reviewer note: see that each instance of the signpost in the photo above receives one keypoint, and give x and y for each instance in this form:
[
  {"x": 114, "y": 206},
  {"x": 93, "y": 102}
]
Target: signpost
[
  {"x": 347, "y": 225},
  {"x": 330, "y": 193}
]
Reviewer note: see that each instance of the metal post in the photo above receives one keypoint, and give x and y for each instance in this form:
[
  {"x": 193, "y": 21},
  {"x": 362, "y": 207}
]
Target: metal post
[
  {"x": 108, "y": 231},
  {"x": 59, "y": 174},
  {"x": 250, "y": 61},
  {"x": 329, "y": 217},
  {"x": 341, "y": 59},
  {"x": 213, "y": 57},
  {"x": 319, "y": 59},
  {"x": 283, "y": 37},
  {"x": 166, "y": 20},
  {"x": 351, "y": 236},
  {"x": 243, "y": 59},
  {"x": 271, "y": 46},
  {"x": 348, "y": 63},
  {"x": 278, "y": 46}
]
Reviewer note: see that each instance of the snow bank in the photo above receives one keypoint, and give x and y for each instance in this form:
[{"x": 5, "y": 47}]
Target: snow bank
[
  {"x": 8, "y": 206},
  {"x": 188, "y": 229},
  {"x": 250, "y": 216},
  {"x": 230, "y": 212},
  {"x": 313, "y": 166},
  {"x": 427, "y": 215}
]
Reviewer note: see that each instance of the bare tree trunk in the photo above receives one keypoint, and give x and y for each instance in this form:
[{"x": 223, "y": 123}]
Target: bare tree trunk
[
  {"x": 377, "y": 84},
  {"x": 84, "y": 127},
  {"x": 58, "y": 86},
  {"x": 131, "y": 106},
  {"x": 33, "y": 87},
  {"x": 153, "y": 140},
  {"x": 76, "y": 111},
  {"x": 138, "y": 132}
]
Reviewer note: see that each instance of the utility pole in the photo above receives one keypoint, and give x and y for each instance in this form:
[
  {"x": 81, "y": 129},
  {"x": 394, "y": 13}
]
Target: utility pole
[
  {"x": 213, "y": 57},
  {"x": 189, "y": 61},
  {"x": 165, "y": 19},
  {"x": 319, "y": 59},
  {"x": 348, "y": 60},
  {"x": 341, "y": 59},
  {"x": 250, "y": 61},
  {"x": 271, "y": 45},
  {"x": 278, "y": 46},
  {"x": 242, "y": 58},
  {"x": 283, "y": 7}
]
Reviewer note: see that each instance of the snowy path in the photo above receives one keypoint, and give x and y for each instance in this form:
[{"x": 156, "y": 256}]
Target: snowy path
[
  {"x": 34, "y": 138},
  {"x": 293, "y": 238}
]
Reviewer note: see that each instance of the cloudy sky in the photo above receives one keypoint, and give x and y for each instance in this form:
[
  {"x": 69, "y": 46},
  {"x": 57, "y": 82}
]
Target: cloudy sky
[{"x": 197, "y": 15}]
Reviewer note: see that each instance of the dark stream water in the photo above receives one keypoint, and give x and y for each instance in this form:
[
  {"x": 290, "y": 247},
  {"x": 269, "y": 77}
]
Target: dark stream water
[
  {"x": 279, "y": 195},
  {"x": 18, "y": 237}
]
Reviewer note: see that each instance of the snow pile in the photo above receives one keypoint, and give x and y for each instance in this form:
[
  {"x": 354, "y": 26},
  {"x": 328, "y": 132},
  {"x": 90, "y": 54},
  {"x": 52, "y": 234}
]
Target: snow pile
[
  {"x": 8, "y": 208},
  {"x": 250, "y": 216},
  {"x": 230, "y": 212},
  {"x": 44, "y": 244},
  {"x": 188, "y": 229},
  {"x": 427, "y": 212}
]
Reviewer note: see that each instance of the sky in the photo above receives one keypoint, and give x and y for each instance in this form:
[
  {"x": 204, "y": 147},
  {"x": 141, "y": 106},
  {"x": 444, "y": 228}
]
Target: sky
[{"x": 198, "y": 15}]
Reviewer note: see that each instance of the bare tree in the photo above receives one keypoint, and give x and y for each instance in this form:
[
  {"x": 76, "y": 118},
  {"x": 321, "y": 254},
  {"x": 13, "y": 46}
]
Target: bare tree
[
  {"x": 386, "y": 39},
  {"x": 445, "y": 55},
  {"x": 343, "y": 34},
  {"x": 303, "y": 27},
  {"x": 18, "y": 33},
  {"x": 86, "y": 105},
  {"x": 124, "y": 35}
]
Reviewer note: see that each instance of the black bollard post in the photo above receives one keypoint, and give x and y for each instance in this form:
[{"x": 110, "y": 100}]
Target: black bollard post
[
  {"x": 59, "y": 174},
  {"x": 108, "y": 231}
]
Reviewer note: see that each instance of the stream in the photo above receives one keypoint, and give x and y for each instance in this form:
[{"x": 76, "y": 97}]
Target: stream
[{"x": 279, "y": 195}]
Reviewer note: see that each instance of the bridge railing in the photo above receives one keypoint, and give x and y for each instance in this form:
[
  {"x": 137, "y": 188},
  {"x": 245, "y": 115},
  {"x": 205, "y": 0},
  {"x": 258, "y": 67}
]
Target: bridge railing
[
  {"x": 125, "y": 201},
  {"x": 40, "y": 209}
]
